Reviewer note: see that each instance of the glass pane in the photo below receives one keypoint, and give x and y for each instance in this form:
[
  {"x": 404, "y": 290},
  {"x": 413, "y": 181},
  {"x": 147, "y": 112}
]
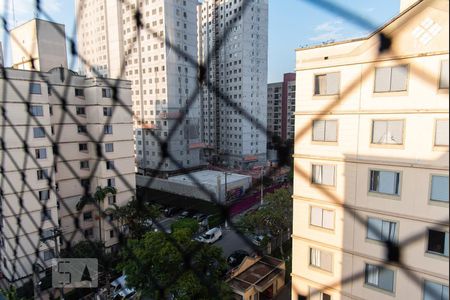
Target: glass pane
[
  {"x": 388, "y": 182},
  {"x": 399, "y": 78},
  {"x": 320, "y": 85},
  {"x": 333, "y": 83},
  {"x": 395, "y": 132},
  {"x": 439, "y": 188},
  {"x": 327, "y": 261},
  {"x": 316, "y": 216},
  {"x": 382, "y": 79},
  {"x": 379, "y": 132},
  {"x": 442, "y": 133},
  {"x": 374, "y": 229},
  {"x": 443, "y": 82},
  {"x": 328, "y": 175},
  {"x": 328, "y": 219},
  {"x": 319, "y": 130},
  {"x": 317, "y": 174},
  {"x": 372, "y": 275},
  {"x": 432, "y": 291},
  {"x": 436, "y": 241},
  {"x": 331, "y": 131},
  {"x": 386, "y": 279}
]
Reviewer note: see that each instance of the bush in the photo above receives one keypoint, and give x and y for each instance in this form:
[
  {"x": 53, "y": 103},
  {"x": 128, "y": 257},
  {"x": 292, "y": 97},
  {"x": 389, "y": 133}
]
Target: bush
[{"x": 215, "y": 220}]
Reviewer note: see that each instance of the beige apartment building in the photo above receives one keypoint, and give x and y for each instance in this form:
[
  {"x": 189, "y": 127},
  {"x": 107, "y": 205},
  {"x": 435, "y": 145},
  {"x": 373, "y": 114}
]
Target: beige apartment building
[
  {"x": 62, "y": 134},
  {"x": 371, "y": 160}
]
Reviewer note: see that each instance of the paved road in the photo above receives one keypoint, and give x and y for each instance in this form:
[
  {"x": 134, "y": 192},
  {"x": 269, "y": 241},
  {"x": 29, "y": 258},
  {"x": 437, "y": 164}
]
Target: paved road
[{"x": 231, "y": 241}]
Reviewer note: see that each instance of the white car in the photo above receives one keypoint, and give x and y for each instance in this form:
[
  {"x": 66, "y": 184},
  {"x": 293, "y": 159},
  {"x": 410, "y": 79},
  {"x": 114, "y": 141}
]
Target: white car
[
  {"x": 120, "y": 289},
  {"x": 211, "y": 236}
]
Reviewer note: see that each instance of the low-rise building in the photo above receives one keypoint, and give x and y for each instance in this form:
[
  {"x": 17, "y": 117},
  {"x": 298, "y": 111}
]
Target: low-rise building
[{"x": 258, "y": 278}]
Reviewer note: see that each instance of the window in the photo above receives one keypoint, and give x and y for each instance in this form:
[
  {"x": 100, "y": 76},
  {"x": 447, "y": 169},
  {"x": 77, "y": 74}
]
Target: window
[
  {"x": 35, "y": 88},
  {"x": 111, "y": 182},
  {"x": 322, "y": 218},
  {"x": 81, "y": 110},
  {"x": 87, "y": 216},
  {"x": 327, "y": 84},
  {"x": 107, "y": 111},
  {"x": 439, "y": 188},
  {"x": 42, "y": 174},
  {"x": 107, "y": 129},
  {"x": 443, "y": 80},
  {"x": 36, "y": 110},
  {"x": 83, "y": 147},
  {"x": 85, "y": 183},
  {"x": 88, "y": 233},
  {"x": 79, "y": 92},
  {"x": 47, "y": 234},
  {"x": 106, "y": 93},
  {"x": 316, "y": 295},
  {"x": 49, "y": 254},
  {"x": 38, "y": 132},
  {"x": 325, "y": 130},
  {"x": 387, "y": 132},
  {"x": 46, "y": 214},
  {"x": 381, "y": 230},
  {"x": 323, "y": 174},
  {"x": 391, "y": 79},
  {"x": 438, "y": 242},
  {"x": 82, "y": 129},
  {"x": 321, "y": 259},
  {"x": 41, "y": 153},
  {"x": 110, "y": 165},
  {"x": 379, "y": 277},
  {"x": 435, "y": 291},
  {"x": 111, "y": 234},
  {"x": 441, "y": 137},
  {"x": 44, "y": 195},
  {"x": 109, "y": 147},
  {"x": 111, "y": 199},
  {"x": 84, "y": 164},
  {"x": 385, "y": 182}
]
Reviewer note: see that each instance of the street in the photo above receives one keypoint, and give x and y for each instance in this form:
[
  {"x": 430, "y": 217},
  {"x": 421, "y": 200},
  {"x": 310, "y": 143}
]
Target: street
[{"x": 231, "y": 241}]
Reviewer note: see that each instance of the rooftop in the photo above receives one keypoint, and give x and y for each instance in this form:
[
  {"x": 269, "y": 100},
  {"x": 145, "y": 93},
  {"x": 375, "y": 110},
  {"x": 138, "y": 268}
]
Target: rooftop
[{"x": 208, "y": 177}]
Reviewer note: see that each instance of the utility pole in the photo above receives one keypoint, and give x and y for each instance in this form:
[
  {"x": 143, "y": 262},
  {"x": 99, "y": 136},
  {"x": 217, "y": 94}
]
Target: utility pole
[
  {"x": 226, "y": 196},
  {"x": 262, "y": 185}
]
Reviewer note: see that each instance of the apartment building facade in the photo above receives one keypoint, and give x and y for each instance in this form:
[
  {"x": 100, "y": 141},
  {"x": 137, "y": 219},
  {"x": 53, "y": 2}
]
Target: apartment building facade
[
  {"x": 233, "y": 42},
  {"x": 281, "y": 108},
  {"x": 371, "y": 163},
  {"x": 38, "y": 45},
  {"x": 159, "y": 60},
  {"x": 51, "y": 156}
]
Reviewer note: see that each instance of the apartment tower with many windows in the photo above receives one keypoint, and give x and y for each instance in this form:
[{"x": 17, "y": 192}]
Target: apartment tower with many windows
[
  {"x": 233, "y": 44},
  {"x": 281, "y": 108},
  {"x": 159, "y": 58},
  {"x": 371, "y": 163},
  {"x": 51, "y": 159}
]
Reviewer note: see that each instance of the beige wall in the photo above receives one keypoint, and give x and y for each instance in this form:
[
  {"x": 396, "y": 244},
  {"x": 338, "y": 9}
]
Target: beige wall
[
  {"x": 65, "y": 184},
  {"x": 354, "y": 155}
]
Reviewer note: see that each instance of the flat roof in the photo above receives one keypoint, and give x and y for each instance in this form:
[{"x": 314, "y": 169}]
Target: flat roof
[{"x": 208, "y": 177}]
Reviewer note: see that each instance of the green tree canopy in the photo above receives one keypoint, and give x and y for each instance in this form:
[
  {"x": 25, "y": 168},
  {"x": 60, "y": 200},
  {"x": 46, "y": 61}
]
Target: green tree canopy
[
  {"x": 274, "y": 217},
  {"x": 188, "y": 223},
  {"x": 157, "y": 268}
]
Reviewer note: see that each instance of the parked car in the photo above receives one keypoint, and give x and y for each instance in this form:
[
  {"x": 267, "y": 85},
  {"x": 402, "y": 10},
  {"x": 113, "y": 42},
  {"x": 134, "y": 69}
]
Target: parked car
[
  {"x": 171, "y": 211},
  {"x": 211, "y": 236},
  {"x": 187, "y": 214},
  {"x": 236, "y": 258},
  {"x": 200, "y": 218},
  {"x": 257, "y": 239},
  {"x": 120, "y": 290}
]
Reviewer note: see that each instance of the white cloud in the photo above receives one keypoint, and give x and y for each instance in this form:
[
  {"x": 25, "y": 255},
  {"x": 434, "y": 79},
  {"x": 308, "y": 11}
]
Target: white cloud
[{"x": 330, "y": 30}]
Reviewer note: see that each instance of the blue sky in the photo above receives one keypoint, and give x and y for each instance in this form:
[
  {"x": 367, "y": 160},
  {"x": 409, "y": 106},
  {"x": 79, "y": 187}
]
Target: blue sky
[{"x": 292, "y": 23}]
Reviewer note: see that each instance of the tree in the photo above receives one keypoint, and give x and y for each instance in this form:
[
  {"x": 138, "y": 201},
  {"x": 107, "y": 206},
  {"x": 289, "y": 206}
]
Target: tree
[
  {"x": 188, "y": 223},
  {"x": 274, "y": 217},
  {"x": 89, "y": 249},
  {"x": 159, "y": 268},
  {"x": 10, "y": 293},
  {"x": 98, "y": 198}
]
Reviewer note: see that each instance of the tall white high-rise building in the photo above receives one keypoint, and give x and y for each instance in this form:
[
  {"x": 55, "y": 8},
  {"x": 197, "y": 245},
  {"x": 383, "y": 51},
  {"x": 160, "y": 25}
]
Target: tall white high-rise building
[
  {"x": 233, "y": 48},
  {"x": 155, "y": 59}
]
